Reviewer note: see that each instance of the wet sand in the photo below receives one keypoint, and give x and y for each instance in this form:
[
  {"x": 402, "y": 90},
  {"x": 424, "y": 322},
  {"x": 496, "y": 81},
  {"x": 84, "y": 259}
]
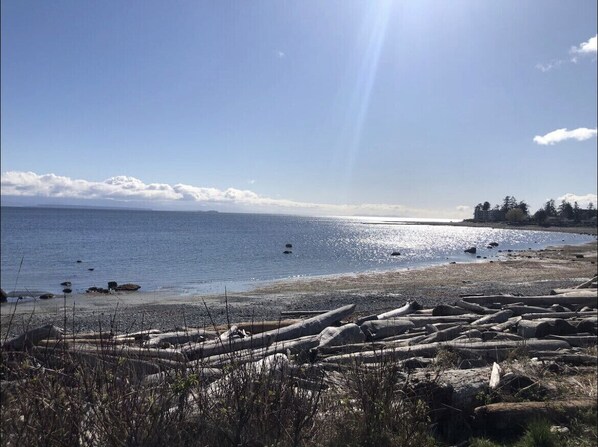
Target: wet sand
[{"x": 526, "y": 272}]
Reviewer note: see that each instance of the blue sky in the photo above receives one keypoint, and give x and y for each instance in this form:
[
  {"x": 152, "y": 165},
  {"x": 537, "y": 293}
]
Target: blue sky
[{"x": 408, "y": 108}]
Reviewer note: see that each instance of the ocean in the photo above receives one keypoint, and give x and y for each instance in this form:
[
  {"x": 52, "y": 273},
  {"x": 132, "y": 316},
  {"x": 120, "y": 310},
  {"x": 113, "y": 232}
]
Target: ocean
[{"x": 204, "y": 253}]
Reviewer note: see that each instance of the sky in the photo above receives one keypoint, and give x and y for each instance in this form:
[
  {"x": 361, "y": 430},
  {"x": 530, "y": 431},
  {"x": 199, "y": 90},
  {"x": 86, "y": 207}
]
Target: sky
[{"x": 391, "y": 108}]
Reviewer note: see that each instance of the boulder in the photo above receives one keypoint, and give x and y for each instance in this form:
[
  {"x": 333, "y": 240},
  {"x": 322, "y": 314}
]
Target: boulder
[
  {"x": 112, "y": 285},
  {"x": 289, "y": 245},
  {"x": 127, "y": 287},
  {"x": 67, "y": 290},
  {"x": 493, "y": 244},
  {"x": 471, "y": 250},
  {"x": 287, "y": 252},
  {"x": 395, "y": 253},
  {"x": 66, "y": 284},
  {"x": 46, "y": 296}
]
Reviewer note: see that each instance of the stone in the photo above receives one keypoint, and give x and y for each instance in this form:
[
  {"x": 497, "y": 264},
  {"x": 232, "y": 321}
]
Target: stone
[
  {"x": 493, "y": 244},
  {"x": 471, "y": 250},
  {"x": 46, "y": 296},
  {"x": 112, "y": 285},
  {"x": 395, "y": 253},
  {"x": 91, "y": 270},
  {"x": 3, "y": 296},
  {"x": 67, "y": 290},
  {"x": 66, "y": 284},
  {"x": 287, "y": 252},
  {"x": 289, "y": 245}
]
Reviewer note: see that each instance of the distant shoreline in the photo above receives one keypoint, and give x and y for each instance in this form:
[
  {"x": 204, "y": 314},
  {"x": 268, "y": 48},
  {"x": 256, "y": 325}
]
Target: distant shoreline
[{"x": 593, "y": 231}]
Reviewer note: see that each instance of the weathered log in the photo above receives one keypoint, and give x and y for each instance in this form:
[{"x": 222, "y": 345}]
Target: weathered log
[
  {"x": 510, "y": 415},
  {"x": 475, "y": 308},
  {"x": 518, "y": 309},
  {"x": 443, "y": 335},
  {"x": 139, "y": 335},
  {"x": 583, "y": 299},
  {"x": 288, "y": 313},
  {"x": 310, "y": 326},
  {"x": 561, "y": 315},
  {"x": 334, "y": 336},
  {"x": 377, "y": 329},
  {"x": 582, "y": 341},
  {"x": 33, "y": 337},
  {"x": 445, "y": 309},
  {"x": 495, "y": 351},
  {"x": 511, "y": 322},
  {"x": 257, "y": 327},
  {"x": 588, "y": 284},
  {"x": 498, "y": 317},
  {"x": 178, "y": 337},
  {"x": 543, "y": 327},
  {"x": 408, "y": 308},
  {"x": 423, "y": 320}
]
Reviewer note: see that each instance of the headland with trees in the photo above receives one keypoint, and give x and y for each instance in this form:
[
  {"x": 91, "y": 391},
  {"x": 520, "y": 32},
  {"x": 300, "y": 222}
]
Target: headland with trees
[{"x": 516, "y": 212}]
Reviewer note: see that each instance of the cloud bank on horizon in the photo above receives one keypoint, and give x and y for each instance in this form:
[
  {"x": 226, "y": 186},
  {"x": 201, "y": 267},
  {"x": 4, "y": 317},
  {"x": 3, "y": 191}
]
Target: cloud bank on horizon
[
  {"x": 559, "y": 135},
  {"x": 126, "y": 189}
]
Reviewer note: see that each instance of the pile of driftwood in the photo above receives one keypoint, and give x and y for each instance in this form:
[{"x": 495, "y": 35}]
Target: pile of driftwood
[{"x": 481, "y": 335}]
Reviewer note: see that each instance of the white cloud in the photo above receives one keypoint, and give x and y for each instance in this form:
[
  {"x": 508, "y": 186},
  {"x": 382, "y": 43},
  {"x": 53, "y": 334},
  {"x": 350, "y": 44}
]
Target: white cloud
[
  {"x": 125, "y": 188},
  {"x": 587, "y": 48},
  {"x": 582, "y": 201},
  {"x": 556, "y": 136},
  {"x": 549, "y": 66},
  {"x": 280, "y": 54},
  {"x": 463, "y": 208}
]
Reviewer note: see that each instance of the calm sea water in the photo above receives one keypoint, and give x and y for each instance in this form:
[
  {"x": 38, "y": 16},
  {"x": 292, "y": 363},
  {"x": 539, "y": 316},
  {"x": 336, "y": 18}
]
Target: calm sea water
[{"x": 204, "y": 252}]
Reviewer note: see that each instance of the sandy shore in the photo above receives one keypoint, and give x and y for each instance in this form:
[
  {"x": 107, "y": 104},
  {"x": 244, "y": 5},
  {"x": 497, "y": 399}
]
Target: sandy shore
[{"x": 528, "y": 273}]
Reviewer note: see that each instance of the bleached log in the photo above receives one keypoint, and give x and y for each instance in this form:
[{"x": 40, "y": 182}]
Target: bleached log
[
  {"x": 518, "y": 309},
  {"x": 506, "y": 415},
  {"x": 348, "y": 333},
  {"x": 310, "y": 326},
  {"x": 582, "y": 341},
  {"x": 137, "y": 352},
  {"x": 475, "y": 308},
  {"x": 543, "y": 327},
  {"x": 257, "y": 327},
  {"x": 178, "y": 337},
  {"x": 498, "y": 317},
  {"x": 423, "y": 320},
  {"x": 377, "y": 329},
  {"x": 511, "y": 322},
  {"x": 443, "y": 335},
  {"x": 445, "y": 309},
  {"x": 295, "y": 346},
  {"x": 408, "y": 308},
  {"x": 583, "y": 299},
  {"x": 33, "y": 337},
  {"x": 562, "y": 315},
  {"x": 588, "y": 284},
  {"x": 139, "y": 335}
]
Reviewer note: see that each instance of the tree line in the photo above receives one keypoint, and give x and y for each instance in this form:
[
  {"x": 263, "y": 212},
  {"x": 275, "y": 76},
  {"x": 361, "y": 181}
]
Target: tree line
[{"x": 512, "y": 210}]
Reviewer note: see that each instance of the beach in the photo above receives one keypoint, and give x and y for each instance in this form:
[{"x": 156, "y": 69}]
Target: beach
[{"x": 526, "y": 272}]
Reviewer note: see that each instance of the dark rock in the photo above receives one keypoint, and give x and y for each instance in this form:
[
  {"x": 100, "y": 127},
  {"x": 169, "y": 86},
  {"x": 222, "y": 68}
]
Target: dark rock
[
  {"x": 112, "y": 285},
  {"x": 471, "y": 250},
  {"x": 579, "y": 256},
  {"x": 395, "y": 253},
  {"x": 493, "y": 244},
  {"x": 91, "y": 270},
  {"x": 67, "y": 290},
  {"x": 452, "y": 262},
  {"x": 3, "y": 296},
  {"x": 127, "y": 287},
  {"x": 91, "y": 289},
  {"x": 287, "y": 252},
  {"x": 79, "y": 261},
  {"x": 289, "y": 245},
  {"x": 46, "y": 296},
  {"x": 489, "y": 247},
  {"x": 66, "y": 283},
  {"x": 478, "y": 256}
]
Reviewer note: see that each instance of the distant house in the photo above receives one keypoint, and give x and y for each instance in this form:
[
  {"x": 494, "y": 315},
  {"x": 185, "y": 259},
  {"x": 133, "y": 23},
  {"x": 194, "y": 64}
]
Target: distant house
[{"x": 480, "y": 215}]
